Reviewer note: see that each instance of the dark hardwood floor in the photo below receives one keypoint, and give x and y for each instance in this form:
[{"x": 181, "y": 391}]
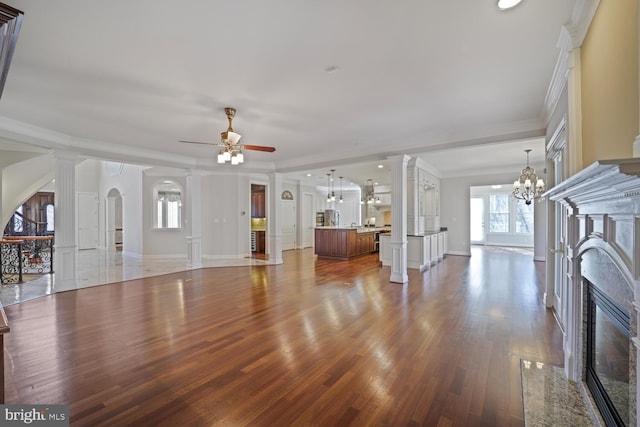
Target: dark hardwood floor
[{"x": 310, "y": 342}]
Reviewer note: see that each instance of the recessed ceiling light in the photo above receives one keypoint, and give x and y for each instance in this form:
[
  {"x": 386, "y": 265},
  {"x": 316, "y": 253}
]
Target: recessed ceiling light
[
  {"x": 496, "y": 187},
  {"x": 375, "y": 183},
  {"x": 331, "y": 69},
  {"x": 507, "y": 4},
  {"x": 308, "y": 174},
  {"x": 380, "y": 166}
]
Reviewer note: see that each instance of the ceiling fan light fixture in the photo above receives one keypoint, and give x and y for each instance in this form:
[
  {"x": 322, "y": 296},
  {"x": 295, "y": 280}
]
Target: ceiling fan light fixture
[
  {"x": 233, "y": 137},
  {"x": 231, "y": 150},
  {"x": 507, "y": 4}
]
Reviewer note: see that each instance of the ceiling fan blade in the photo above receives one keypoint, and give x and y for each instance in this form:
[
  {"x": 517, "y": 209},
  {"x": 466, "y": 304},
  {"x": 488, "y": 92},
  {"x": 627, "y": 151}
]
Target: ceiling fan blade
[
  {"x": 197, "y": 142},
  {"x": 259, "y": 148}
]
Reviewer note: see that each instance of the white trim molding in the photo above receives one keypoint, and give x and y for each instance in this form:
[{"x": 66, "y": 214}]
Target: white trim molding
[{"x": 571, "y": 37}]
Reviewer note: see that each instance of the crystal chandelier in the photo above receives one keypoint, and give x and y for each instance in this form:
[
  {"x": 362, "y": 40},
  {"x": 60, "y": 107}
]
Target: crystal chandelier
[{"x": 523, "y": 187}]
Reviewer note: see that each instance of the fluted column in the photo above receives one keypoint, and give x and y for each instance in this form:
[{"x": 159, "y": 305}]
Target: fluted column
[
  {"x": 274, "y": 221},
  {"x": 65, "y": 222},
  {"x": 398, "y": 241},
  {"x": 194, "y": 220}
]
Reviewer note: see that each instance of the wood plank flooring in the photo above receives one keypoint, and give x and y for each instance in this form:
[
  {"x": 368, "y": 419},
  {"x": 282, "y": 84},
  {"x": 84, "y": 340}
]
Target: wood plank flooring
[{"x": 309, "y": 342}]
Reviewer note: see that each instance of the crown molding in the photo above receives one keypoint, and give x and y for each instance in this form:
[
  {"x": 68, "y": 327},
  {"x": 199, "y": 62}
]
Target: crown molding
[{"x": 571, "y": 36}]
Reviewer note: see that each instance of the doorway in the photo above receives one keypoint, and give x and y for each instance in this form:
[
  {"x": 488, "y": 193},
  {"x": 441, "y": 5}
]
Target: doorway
[
  {"x": 258, "y": 231},
  {"x": 115, "y": 232},
  {"x": 288, "y": 210}
]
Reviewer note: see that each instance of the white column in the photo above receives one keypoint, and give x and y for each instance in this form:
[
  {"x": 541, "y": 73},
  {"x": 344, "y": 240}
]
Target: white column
[
  {"x": 413, "y": 201},
  {"x": 65, "y": 222},
  {"x": 194, "y": 220},
  {"x": 398, "y": 241},
  {"x": 274, "y": 218}
]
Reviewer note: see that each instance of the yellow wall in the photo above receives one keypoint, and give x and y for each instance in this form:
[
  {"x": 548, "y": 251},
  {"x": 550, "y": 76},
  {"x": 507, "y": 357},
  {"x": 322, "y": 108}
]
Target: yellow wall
[{"x": 610, "y": 82}]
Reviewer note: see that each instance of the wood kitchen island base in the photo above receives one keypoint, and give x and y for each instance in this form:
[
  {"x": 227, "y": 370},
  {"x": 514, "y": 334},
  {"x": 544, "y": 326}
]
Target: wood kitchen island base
[{"x": 345, "y": 243}]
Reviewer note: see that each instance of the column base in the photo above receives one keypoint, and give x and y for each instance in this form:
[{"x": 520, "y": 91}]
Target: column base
[
  {"x": 64, "y": 278},
  {"x": 194, "y": 252},
  {"x": 399, "y": 262},
  {"x": 275, "y": 249}
]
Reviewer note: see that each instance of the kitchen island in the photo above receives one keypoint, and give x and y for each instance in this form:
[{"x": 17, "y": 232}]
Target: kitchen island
[
  {"x": 423, "y": 250},
  {"x": 347, "y": 242}
]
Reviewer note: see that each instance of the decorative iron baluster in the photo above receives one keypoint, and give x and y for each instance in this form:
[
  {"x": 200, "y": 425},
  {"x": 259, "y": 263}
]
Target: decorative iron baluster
[
  {"x": 10, "y": 262},
  {"x": 37, "y": 255}
]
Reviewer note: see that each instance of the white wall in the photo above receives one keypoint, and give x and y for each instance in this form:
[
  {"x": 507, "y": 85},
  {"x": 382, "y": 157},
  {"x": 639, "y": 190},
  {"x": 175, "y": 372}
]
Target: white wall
[
  {"x": 455, "y": 210},
  {"x": 225, "y": 231},
  {"x": 88, "y": 176}
]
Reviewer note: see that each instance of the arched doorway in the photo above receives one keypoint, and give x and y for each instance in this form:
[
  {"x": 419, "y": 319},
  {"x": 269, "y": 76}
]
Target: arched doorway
[{"x": 114, "y": 228}]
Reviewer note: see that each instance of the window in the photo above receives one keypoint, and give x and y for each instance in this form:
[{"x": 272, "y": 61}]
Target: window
[
  {"x": 50, "y": 217},
  {"x": 18, "y": 221},
  {"x": 509, "y": 215},
  {"x": 523, "y": 217},
  {"x": 168, "y": 205},
  {"x": 499, "y": 213}
]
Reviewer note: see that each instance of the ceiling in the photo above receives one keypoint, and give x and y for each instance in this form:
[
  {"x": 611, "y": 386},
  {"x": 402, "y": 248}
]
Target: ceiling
[{"x": 329, "y": 84}]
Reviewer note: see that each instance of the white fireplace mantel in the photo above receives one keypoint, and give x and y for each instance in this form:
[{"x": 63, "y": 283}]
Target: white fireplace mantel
[
  {"x": 603, "y": 181},
  {"x": 601, "y": 211}
]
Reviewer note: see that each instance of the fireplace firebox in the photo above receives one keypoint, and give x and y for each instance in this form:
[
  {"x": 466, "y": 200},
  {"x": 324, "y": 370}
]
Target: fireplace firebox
[{"x": 607, "y": 367}]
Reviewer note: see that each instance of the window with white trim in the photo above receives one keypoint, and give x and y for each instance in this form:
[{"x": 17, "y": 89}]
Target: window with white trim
[
  {"x": 50, "y": 212},
  {"x": 509, "y": 215},
  {"x": 168, "y": 205}
]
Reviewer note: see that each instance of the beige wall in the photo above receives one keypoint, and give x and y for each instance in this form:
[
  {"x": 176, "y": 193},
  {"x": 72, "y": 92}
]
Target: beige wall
[{"x": 610, "y": 82}]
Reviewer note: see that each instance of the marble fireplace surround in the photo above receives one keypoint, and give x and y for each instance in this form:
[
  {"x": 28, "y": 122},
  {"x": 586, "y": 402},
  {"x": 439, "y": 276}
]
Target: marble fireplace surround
[{"x": 601, "y": 207}]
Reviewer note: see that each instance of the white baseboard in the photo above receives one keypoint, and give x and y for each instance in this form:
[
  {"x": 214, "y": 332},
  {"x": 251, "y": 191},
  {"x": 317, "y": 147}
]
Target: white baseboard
[
  {"x": 459, "y": 253},
  {"x": 161, "y": 256},
  {"x": 133, "y": 254},
  {"x": 223, "y": 257}
]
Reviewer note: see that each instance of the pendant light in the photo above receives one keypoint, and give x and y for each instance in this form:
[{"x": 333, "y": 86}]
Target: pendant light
[{"x": 328, "y": 188}]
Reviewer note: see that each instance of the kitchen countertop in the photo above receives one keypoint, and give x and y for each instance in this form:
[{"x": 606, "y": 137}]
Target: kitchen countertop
[
  {"x": 425, "y": 234},
  {"x": 358, "y": 229}
]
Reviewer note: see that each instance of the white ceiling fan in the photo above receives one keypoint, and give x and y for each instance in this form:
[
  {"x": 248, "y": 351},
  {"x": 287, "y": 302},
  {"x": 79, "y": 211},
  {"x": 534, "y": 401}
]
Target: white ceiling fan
[{"x": 231, "y": 150}]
